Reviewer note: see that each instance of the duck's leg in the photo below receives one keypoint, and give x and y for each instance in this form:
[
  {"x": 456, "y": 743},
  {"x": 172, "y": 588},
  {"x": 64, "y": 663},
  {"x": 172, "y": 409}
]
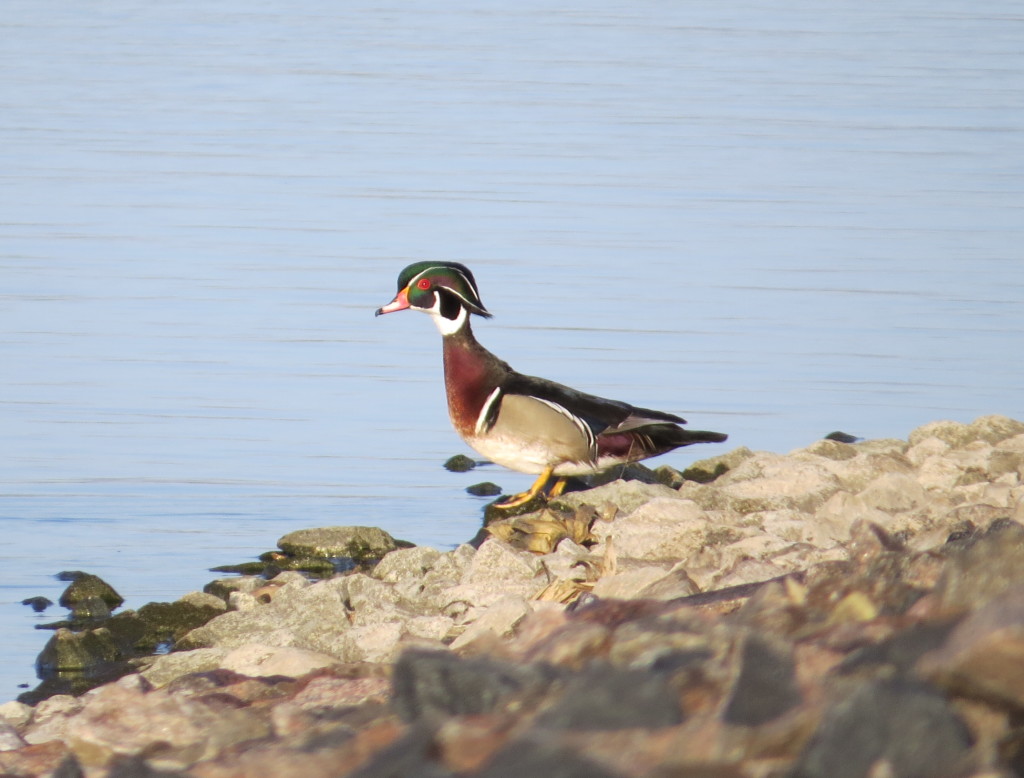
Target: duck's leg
[
  {"x": 558, "y": 488},
  {"x": 521, "y": 499}
]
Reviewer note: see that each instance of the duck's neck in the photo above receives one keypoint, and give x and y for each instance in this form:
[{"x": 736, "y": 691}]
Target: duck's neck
[{"x": 471, "y": 374}]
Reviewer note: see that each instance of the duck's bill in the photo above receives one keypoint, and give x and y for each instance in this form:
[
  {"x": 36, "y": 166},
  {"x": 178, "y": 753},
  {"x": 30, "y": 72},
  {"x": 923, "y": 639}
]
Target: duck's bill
[{"x": 400, "y": 303}]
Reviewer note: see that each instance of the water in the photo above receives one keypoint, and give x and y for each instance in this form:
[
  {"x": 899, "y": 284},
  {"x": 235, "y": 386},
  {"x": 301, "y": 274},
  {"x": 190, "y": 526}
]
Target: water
[{"x": 777, "y": 219}]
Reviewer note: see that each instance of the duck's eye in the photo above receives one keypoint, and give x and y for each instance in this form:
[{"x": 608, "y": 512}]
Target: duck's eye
[{"x": 424, "y": 284}]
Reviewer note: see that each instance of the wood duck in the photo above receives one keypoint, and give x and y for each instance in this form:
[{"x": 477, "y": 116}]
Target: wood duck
[{"x": 524, "y": 423}]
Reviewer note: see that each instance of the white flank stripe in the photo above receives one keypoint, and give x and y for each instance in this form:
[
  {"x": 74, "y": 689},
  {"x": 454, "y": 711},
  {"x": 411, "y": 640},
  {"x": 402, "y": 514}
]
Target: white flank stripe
[{"x": 481, "y": 420}]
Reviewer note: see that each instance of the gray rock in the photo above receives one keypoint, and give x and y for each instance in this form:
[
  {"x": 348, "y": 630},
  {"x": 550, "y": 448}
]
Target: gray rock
[
  {"x": 772, "y": 481},
  {"x": 498, "y": 569},
  {"x": 628, "y": 584},
  {"x": 497, "y": 620},
  {"x": 16, "y": 713},
  {"x": 406, "y": 563},
  {"x": 662, "y": 528},
  {"x": 10, "y": 740},
  {"x": 622, "y": 496},
  {"x": 256, "y": 660},
  {"x": 161, "y": 670}
]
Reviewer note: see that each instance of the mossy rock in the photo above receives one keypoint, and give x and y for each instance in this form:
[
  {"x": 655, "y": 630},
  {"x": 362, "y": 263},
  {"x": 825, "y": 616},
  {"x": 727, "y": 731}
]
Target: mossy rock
[
  {"x": 361, "y": 544},
  {"x": 460, "y": 463},
  {"x": 167, "y": 622},
  {"x": 85, "y": 586},
  {"x": 81, "y": 652}
]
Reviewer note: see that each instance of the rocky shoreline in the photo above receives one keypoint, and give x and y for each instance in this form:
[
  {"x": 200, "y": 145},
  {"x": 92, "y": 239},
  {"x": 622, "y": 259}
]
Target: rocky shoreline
[{"x": 845, "y": 610}]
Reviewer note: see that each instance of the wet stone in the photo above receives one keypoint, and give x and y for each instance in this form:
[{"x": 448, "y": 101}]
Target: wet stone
[{"x": 38, "y": 604}]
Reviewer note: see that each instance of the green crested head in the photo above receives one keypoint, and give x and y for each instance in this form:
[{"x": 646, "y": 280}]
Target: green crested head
[{"x": 441, "y": 288}]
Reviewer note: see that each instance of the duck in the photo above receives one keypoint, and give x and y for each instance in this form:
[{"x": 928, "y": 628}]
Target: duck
[{"x": 524, "y": 423}]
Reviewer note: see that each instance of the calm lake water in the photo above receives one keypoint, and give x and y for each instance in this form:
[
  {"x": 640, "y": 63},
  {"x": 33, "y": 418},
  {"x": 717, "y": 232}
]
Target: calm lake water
[{"x": 775, "y": 218}]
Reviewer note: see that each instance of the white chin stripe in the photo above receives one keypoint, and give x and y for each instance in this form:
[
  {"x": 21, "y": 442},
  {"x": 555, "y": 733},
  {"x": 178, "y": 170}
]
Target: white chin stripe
[{"x": 448, "y": 326}]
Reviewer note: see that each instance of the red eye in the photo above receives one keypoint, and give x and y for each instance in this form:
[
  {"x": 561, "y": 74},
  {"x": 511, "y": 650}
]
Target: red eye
[{"x": 423, "y": 283}]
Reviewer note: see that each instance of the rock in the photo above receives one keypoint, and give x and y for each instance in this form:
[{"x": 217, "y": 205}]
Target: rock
[
  {"x": 629, "y": 583},
  {"x": 164, "y": 669},
  {"x": 498, "y": 569},
  {"x": 497, "y": 620},
  {"x": 766, "y": 687},
  {"x": 406, "y": 563},
  {"x": 81, "y": 652},
  {"x": 16, "y": 713},
  {"x": 484, "y": 489},
  {"x": 705, "y": 471},
  {"x": 991, "y": 429},
  {"x": 459, "y": 463},
  {"x": 428, "y": 684},
  {"x": 606, "y": 697},
  {"x": 569, "y": 561},
  {"x": 358, "y": 543},
  {"x": 984, "y": 655},
  {"x": 620, "y": 496},
  {"x": 767, "y": 482},
  {"x": 903, "y": 724},
  {"x": 257, "y": 661},
  {"x": 990, "y": 565},
  {"x": 38, "y": 604},
  {"x": 223, "y": 587},
  {"x": 166, "y": 622},
  {"x": 894, "y": 493},
  {"x": 85, "y": 587},
  {"x": 314, "y": 617},
  {"x": 51, "y": 717},
  {"x": 953, "y": 433},
  {"x": 49, "y": 759},
  {"x": 834, "y": 448},
  {"x": 543, "y": 757},
  {"x": 124, "y": 720},
  {"x": 10, "y": 740},
  {"x": 663, "y": 528}
]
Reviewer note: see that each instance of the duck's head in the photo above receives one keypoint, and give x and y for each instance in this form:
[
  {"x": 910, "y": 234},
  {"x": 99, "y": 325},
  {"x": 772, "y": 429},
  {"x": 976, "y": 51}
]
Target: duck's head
[{"x": 445, "y": 290}]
